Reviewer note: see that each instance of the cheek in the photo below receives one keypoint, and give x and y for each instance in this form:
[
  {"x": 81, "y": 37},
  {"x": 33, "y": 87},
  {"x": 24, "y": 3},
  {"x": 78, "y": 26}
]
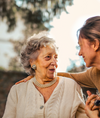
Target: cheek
[{"x": 44, "y": 65}]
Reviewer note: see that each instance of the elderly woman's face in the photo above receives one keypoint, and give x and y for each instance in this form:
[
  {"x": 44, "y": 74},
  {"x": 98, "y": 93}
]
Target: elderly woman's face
[{"x": 46, "y": 62}]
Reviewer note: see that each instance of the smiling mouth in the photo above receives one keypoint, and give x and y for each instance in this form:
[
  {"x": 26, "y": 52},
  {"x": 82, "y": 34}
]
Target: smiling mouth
[
  {"x": 83, "y": 57},
  {"x": 52, "y": 70}
]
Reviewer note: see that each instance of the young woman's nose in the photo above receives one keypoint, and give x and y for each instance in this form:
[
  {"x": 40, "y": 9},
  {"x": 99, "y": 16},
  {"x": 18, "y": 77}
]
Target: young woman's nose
[{"x": 80, "y": 54}]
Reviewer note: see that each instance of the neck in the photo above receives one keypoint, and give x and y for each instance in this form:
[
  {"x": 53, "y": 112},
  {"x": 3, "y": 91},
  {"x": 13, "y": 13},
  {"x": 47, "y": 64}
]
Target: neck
[
  {"x": 43, "y": 80},
  {"x": 46, "y": 85},
  {"x": 98, "y": 67},
  {"x": 97, "y": 61}
]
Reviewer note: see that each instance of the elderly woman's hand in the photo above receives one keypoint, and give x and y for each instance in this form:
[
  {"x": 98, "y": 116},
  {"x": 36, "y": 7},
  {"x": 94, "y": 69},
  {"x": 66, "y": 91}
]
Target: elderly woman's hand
[
  {"x": 90, "y": 113},
  {"x": 92, "y": 110},
  {"x": 91, "y": 99},
  {"x": 24, "y": 80}
]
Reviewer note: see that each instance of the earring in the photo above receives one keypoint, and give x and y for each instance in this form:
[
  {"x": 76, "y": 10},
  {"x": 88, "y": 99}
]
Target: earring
[{"x": 34, "y": 67}]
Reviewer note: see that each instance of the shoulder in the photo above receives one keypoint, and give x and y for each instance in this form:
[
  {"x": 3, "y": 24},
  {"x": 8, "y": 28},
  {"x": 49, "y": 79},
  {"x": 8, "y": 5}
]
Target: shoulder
[
  {"x": 69, "y": 82},
  {"x": 21, "y": 87},
  {"x": 93, "y": 71}
]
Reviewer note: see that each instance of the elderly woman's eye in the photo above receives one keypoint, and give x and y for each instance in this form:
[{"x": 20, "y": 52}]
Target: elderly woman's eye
[
  {"x": 56, "y": 57},
  {"x": 47, "y": 57}
]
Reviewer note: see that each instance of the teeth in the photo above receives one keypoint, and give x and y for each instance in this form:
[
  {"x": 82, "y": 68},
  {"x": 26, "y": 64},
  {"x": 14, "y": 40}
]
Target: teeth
[{"x": 52, "y": 69}]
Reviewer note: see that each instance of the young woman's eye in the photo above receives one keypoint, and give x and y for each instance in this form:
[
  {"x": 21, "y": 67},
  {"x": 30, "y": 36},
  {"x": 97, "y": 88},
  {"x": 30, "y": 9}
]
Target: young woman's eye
[{"x": 78, "y": 47}]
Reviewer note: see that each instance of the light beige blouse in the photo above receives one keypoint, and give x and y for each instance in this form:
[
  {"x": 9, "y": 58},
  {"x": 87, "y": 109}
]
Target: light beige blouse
[{"x": 25, "y": 101}]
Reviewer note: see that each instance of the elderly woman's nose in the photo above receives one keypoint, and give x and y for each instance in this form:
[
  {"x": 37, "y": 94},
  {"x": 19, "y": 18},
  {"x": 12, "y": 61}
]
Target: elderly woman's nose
[{"x": 54, "y": 61}]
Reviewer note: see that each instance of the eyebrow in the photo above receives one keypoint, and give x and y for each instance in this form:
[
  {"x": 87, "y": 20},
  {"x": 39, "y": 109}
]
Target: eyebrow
[{"x": 46, "y": 54}]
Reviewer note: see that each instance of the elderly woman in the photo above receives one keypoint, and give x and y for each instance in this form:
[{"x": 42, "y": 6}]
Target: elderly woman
[{"x": 45, "y": 95}]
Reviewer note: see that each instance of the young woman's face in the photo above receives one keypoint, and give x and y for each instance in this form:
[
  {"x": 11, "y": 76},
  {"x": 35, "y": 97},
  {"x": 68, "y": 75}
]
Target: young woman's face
[
  {"x": 87, "y": 52},
  {"x": 46, "y": 62}
]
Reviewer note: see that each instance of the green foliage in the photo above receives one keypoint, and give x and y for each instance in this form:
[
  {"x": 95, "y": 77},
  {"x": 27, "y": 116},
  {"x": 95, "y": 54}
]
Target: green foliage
[
  {"x": 35, "y": 14},
  {"x": 32, "y": 12},
  {"x": 2, "y": 68}
]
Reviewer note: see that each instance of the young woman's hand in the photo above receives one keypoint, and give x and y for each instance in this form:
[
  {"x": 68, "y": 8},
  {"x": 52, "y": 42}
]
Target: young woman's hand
[
  {"x": 24, "y": 80},
  {"x": 92, "y": 110},
  {"x": 90, "y": 113}
]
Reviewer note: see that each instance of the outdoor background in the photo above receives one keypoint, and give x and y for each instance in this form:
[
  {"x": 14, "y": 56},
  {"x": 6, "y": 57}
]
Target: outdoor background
[{"x": 19, "y": 19}]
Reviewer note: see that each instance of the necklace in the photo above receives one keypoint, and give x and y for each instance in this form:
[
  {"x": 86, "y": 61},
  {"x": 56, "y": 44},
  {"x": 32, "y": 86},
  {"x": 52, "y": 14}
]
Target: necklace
[{"x": 44, "y": 85}]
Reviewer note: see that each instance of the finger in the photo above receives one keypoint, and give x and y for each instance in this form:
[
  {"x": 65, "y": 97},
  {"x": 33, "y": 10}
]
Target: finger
[
  {"x": 19, "y": 82},
  {"x": 91, "y": 104},
  {"x": 31, "y": 76},
  {"x": 28, "y": 78},
  {"x": 95, "y": 108},
  {"x": 24, "y": 80},
  {"x": 16, "y": 83},
  {"x": 98, "y": 97},
  {"x": 89, "y": 93},
  {"x": 91, "y": 97}
]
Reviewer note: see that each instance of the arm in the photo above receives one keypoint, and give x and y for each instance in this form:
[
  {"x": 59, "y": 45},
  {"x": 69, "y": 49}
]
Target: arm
[
  {"x": 10, "y": 109},
  {"x": 85, "y": 79},
  {"x": 25, "y": 79},
  {"x": 82, "y": 78}
]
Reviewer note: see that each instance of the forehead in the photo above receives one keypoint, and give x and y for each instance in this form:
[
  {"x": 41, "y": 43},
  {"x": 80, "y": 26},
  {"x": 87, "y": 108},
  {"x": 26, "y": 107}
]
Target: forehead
[
  {"x": 82, "y": 41},
  {"x": 48, "y": 50},
  {"x": 79, "y": 41}
]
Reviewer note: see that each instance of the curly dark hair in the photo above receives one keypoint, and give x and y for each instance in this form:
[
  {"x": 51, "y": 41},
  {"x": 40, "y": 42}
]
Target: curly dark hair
[{"x": 31, "y": 51}]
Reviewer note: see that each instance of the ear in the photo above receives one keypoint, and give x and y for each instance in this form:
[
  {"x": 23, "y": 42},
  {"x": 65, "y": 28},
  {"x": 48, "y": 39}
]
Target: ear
[
  {"x": 31, "y": 60},
  {"x": 96, "y": 44}
]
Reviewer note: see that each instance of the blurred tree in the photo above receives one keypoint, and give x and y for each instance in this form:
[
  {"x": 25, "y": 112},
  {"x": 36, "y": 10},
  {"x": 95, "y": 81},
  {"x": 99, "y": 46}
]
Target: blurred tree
[
  {"x": 15, "y": 63},
  {"x": 2, "y": 68},
  {"x": 36, "y": 15},
  {"x": 74, "y": 68}
]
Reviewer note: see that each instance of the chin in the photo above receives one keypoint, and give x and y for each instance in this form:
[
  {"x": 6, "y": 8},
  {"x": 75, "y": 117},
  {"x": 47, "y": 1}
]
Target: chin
[
  {"x": 51, "y": 76},
  {"x": 88, "y": 65}
]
